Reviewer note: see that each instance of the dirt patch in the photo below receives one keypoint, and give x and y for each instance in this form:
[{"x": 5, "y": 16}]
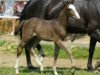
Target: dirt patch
[{"x": 8, "y": 60}]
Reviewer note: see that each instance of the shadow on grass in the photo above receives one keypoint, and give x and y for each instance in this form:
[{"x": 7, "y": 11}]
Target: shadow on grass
[{"x": 49, "y": 71}]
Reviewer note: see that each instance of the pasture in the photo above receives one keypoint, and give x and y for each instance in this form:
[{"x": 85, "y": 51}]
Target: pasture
[
  {"x": 48, "y": 71},
  {"x": 8, "y": 45}
]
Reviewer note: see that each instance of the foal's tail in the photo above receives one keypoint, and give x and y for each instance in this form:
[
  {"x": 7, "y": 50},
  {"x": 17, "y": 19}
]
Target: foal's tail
[{"x": 19, "y": 27}]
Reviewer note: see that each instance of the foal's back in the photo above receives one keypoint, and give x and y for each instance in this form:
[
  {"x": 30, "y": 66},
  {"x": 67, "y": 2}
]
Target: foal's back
[{"x": 45, "y": 29}]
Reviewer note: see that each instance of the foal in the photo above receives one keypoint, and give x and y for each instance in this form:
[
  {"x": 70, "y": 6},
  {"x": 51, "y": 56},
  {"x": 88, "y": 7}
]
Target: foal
[{"x": 48, "y": 30}]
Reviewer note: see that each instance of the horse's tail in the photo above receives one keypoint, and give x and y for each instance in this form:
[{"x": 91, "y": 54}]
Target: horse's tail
[{"x": 19, "y": 27}]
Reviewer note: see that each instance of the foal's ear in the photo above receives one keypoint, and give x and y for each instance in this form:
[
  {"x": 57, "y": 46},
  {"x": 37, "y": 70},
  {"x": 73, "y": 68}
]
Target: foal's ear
[
  {"x": 68, "y": 2},
  {"x": 65, "y": 2}
]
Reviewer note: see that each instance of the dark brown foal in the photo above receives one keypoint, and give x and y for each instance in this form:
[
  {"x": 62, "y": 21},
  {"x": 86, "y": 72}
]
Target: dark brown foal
[{"x": 48, "y": 30}]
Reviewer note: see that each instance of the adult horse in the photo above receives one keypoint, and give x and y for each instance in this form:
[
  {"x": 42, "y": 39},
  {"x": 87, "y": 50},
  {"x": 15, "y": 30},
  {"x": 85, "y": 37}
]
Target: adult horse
[
  {"x": 89, "y": 23},
  {"x": 55, "y": 31}
]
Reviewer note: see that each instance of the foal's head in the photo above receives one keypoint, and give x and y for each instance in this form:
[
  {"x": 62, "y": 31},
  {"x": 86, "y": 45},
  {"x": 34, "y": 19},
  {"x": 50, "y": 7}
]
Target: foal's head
[{"x": 70, "y": 9}]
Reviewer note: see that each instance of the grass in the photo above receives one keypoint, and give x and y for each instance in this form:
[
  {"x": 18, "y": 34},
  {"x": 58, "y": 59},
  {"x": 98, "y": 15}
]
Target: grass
[
  {"x": 78, "y": 52},
  {"x": 48, "y": 71},
  {"x": 7, "y": 47}
]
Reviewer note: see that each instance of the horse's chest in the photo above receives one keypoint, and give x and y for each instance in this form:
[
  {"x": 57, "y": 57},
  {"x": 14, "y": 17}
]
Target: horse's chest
[{"x": 60, "y": 31}]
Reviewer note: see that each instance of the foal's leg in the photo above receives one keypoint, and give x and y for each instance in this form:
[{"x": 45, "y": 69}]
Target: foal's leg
[
  {"x": 38, "y": 60},
  {"x": 56, "y": 52},
  {"x": 19, "y": 51},
  {"x": 27, "y": 51},
  {"x": 62, "y": 44},
  {"x": 26, "y": 36}
]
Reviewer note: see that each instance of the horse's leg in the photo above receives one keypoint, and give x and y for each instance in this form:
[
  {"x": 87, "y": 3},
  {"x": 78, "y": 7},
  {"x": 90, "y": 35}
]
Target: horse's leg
[
  {"x": 26, "y": 36},
  {"x": 62, "y": 44},
  {"x": 19, "y": 51},
  {"x": 56, "y": 52},
  {"x": 41, "y": 52},
  {"x": 27, "y": 51},
  {"x": 38, "y": 60},
  {"x": 28, "y": 58},
  {"x": 91, "y": 51}
]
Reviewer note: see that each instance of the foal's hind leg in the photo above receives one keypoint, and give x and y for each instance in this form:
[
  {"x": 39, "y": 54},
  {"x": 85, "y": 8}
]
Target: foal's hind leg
[
  {"x": 28, "y": 46},
  {"x": 56, "y": 52},
  {"x": 25, "y": 38},
  {"x": 62, "y": 44},
  {"x": 36, "y": 41},
  {"x": 40, "y": 50},
  {"x": 19, "y": 51}
]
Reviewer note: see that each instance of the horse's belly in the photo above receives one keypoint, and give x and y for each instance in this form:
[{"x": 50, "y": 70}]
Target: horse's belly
[{"x": 44, "y": 35}]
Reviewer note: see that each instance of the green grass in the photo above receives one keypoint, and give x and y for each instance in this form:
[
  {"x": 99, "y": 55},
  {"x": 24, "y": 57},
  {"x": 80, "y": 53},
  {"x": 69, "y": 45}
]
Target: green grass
[
  {"x": 48, "y": 71},
  {"x": 78, "y": 52},
  {"x": 7, "y": 47}
]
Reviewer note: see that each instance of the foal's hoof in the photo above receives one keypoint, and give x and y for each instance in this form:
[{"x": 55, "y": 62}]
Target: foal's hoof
[
  {"x": 32, "y": 68},
  {"x": 96, "y": 71},
  {"x": 17, "y": 72}
]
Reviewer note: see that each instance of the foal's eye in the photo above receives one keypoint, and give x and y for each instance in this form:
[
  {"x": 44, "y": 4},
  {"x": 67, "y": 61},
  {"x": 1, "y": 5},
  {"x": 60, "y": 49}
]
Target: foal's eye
[{"x": 69, "y": 9}]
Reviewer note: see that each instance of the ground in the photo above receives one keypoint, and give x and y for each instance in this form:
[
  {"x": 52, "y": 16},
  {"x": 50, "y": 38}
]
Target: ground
[{"x": 9, "y": 59}]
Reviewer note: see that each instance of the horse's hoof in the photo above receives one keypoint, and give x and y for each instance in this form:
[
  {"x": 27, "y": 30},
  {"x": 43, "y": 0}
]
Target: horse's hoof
[
  {"x": 32, "y": 67},
  {"x": 90, "y": 68},
  {"x": 43, "y": 55},
  {"x": 55, "y": 73}
]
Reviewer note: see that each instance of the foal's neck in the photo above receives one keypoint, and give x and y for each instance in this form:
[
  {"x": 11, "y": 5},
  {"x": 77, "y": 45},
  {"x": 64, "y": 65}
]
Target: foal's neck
[{"x": 62, "y": 18}]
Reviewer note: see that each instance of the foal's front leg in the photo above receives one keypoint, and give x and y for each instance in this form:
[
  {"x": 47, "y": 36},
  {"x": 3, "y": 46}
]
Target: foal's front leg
[
  {"x": 62, "y": 44},
  {"x": 56, "y": 52}
]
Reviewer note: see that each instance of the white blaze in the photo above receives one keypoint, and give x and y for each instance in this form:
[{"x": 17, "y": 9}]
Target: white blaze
[{"x": 72, "y": 7}]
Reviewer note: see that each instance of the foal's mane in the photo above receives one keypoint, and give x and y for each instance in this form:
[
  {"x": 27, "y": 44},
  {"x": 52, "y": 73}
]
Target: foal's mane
[
  {"x": 61, "y": 29},
  {"x": 60, "y": 7}
]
